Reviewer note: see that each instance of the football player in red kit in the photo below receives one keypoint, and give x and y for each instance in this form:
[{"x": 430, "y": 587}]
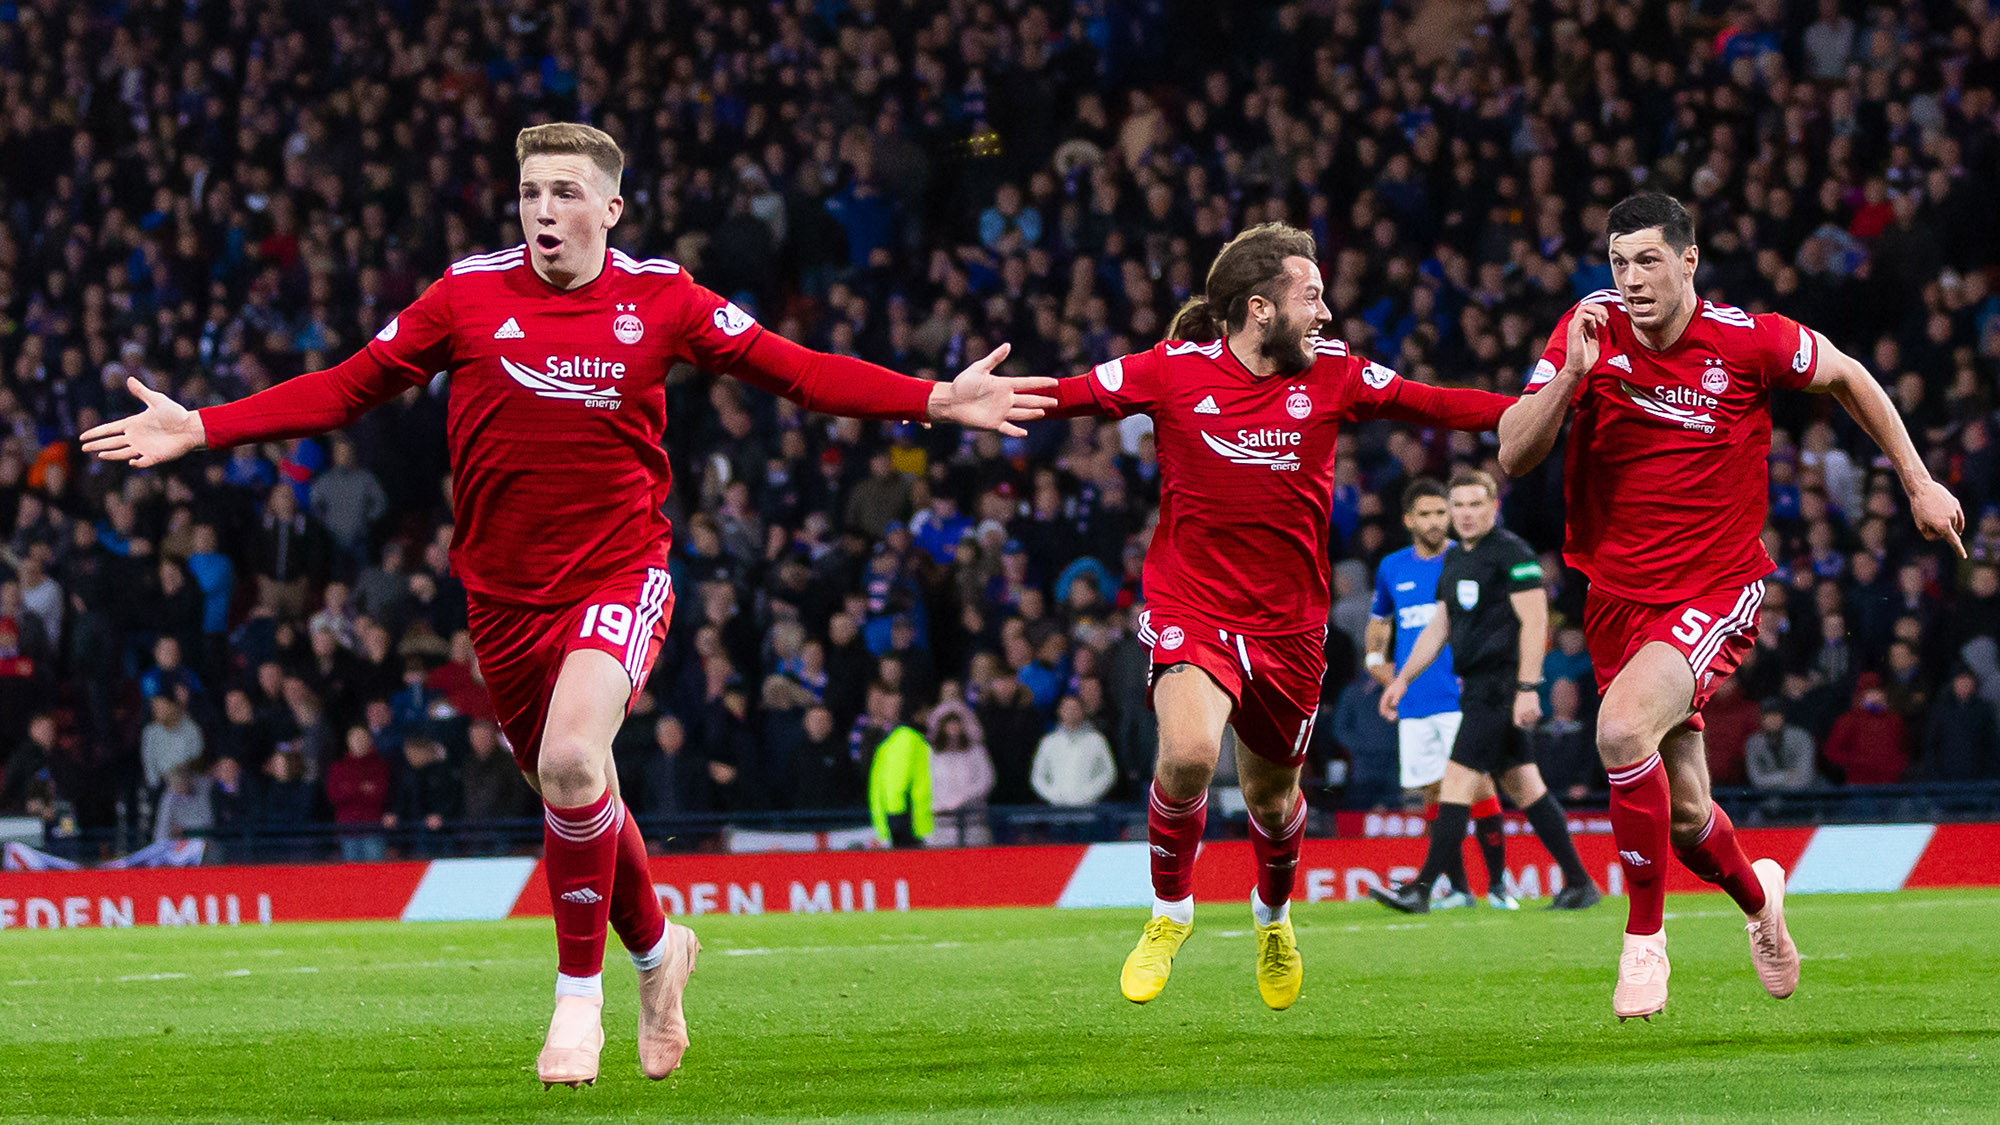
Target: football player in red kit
[
  {"x": 1246, "y": 400},
  {"x": 1667, "y": 487},
  {"x": 557, "y": 351}
]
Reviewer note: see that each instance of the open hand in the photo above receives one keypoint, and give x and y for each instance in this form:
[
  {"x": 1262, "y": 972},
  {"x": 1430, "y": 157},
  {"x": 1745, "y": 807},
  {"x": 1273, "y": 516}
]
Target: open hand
[
  {"x": 981, "y": 400},
  {"x": 158, "y": 434}
]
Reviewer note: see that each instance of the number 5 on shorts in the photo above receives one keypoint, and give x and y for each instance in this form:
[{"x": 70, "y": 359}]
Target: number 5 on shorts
[
  {"x": 1693, "y": 623},
  {"x": 611, "y": 621}
]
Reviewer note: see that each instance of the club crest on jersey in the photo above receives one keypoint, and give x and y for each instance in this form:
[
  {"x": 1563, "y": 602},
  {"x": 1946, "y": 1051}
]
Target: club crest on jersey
[
  {"x": 733, "y": 321},
  {"x": 1298, "y": 404},
  {"x": 1714, "y": 377},
  {"x": 1468, "y": 593},
  {"x": 388, "y": 332},
  {"x": 1375, "y": 375},
  {"x": 1171, "y": 637},
  {"x": 628, "y": 327}
]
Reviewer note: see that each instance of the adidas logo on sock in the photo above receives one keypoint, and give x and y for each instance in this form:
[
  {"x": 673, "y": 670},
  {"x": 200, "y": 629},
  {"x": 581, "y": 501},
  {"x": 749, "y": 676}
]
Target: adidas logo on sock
[
  {"x": 1207, "y": 406},
  {"x": 582, "y": 896},
  {"x": 510, "y": 331}
]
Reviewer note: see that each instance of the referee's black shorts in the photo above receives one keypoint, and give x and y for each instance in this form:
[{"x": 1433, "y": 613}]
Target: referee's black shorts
[{"x": 1488, "y": 741}]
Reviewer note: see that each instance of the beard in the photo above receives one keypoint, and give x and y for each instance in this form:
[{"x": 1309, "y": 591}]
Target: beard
[{"x": 1284, "y": 345}]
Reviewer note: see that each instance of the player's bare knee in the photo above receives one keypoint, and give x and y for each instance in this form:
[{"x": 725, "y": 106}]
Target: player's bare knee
[
  {"x": 1184, "y": 770},
  {"x": 1270, "y": 807},
  {"x": 1622, "y": 742},
  {"x": 569, "y": 770}
]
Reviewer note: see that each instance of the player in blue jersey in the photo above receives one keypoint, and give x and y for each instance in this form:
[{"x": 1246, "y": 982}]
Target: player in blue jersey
[{"x": 1427, "y": 722}]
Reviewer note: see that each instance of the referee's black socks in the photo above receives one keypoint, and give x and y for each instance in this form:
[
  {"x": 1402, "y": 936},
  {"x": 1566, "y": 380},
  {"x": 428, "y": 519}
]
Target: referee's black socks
[
  {"x": 1552, "y": 827},
  {"x": 1447, "y": 851}
]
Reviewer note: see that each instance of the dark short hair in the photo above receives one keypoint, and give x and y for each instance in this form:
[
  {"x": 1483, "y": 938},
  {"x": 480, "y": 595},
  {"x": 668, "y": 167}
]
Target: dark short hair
[
  {"x": 1650, "y": 209},
  {"x": 1418, "y": 489}
]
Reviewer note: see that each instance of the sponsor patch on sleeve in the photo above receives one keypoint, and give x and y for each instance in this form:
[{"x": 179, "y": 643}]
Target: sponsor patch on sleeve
[
  {"x": 1802, "y": 359},
  {"x": 1377, "y": 376},
  {"x": 732, "y": 320},
  {"x": 1543, "y": 372},
  {"x": 388, "y": 332},
  {"x": 1112, "y": 374}
]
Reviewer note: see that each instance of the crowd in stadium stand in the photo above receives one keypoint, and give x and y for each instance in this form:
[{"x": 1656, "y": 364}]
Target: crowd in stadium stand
[{"x": 215, "y": 197}]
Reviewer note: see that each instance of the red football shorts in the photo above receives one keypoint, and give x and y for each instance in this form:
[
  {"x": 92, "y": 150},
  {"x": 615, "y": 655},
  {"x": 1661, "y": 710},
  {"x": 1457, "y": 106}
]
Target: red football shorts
[
  {"x": 1713, "y": 632},
  {"x": 521, "y": 650},
  {"x": 1273, "y": 681}
]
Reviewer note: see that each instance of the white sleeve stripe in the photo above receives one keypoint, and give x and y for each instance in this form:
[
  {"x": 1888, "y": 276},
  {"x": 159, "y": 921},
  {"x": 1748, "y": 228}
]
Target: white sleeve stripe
[{"x": 486, "y": 259}]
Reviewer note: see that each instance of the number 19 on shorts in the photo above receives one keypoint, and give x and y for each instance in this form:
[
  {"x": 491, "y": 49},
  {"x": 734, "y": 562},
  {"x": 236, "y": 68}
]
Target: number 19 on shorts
[{"x": 611, "y": 621}]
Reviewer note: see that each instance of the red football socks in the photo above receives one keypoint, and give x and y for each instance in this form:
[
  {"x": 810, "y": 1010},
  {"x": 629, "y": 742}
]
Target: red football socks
[
  {"x": 1640, "y": 811},
  {"x": 1717, "y": 858},
  {"x": 1483, "y": 809},
  {"x": 1173, "y": 828},
  {"x": 636, "y": 916},
  {"x": 580, "y": 857},
  {"x": 1278, "y": 855}
]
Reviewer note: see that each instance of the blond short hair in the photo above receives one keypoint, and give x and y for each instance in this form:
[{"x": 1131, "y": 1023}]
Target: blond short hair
[
  {"x": 567, "y": 138},
  {"x": 1476, "y": 478}
]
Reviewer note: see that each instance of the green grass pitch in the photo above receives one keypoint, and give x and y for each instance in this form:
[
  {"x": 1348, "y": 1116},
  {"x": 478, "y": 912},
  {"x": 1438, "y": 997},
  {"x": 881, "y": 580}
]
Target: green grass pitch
[{"x": 1015, "y": 1016}]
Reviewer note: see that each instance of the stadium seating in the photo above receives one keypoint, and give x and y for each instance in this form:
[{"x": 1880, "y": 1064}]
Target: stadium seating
[{"x": 221, "y": 201}]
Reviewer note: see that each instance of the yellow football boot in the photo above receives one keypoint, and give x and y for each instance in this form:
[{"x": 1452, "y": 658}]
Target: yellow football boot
[
  {"x": 1280, "y": 969},
  {"x": 1152, "y": 959}
]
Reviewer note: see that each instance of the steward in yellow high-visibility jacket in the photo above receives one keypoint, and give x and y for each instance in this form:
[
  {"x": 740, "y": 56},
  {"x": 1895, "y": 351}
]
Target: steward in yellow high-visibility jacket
[{"x": 899, "y": 788}]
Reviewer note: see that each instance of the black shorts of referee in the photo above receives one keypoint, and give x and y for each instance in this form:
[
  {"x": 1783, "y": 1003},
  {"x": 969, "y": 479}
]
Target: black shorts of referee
[{"x": 1488, "y": 741}]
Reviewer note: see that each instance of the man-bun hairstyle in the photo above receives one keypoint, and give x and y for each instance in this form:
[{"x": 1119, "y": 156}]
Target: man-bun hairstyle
[{"x": 1250, "y": 265}]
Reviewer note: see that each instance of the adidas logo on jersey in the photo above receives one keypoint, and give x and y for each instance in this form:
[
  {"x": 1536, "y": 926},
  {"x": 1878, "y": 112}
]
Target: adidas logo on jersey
[
  {"x": 510, "y": 331},
  {"x": 1621, "y": 362},
  {"x": 582, "y": 896},
  {"x": 1207, "y": 406}
]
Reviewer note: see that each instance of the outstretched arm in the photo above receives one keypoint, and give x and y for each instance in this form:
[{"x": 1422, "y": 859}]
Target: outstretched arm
[
  {"x": 1074, "y": 399},
  {"x": 1934, "y": 508},
  {"x": 312, "y": 403},
  {"x": 835, "y": 384},
  {"x": 1450, "y": 407}
]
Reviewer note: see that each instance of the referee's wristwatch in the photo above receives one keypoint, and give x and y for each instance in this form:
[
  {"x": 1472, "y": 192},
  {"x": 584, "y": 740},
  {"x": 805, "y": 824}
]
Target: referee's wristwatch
[{"x": 1528, "y": 685}]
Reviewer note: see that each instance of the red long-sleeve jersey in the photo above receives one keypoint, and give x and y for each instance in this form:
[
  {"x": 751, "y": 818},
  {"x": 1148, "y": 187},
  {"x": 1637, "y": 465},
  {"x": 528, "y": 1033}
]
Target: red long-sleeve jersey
[
  {"x": 558, "y": 404},
  {"x": 1246, "y": 467}
]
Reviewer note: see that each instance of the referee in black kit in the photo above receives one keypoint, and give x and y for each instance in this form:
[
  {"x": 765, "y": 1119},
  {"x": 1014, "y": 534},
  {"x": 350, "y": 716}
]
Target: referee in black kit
[{"x": 1496, "y": 615}]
